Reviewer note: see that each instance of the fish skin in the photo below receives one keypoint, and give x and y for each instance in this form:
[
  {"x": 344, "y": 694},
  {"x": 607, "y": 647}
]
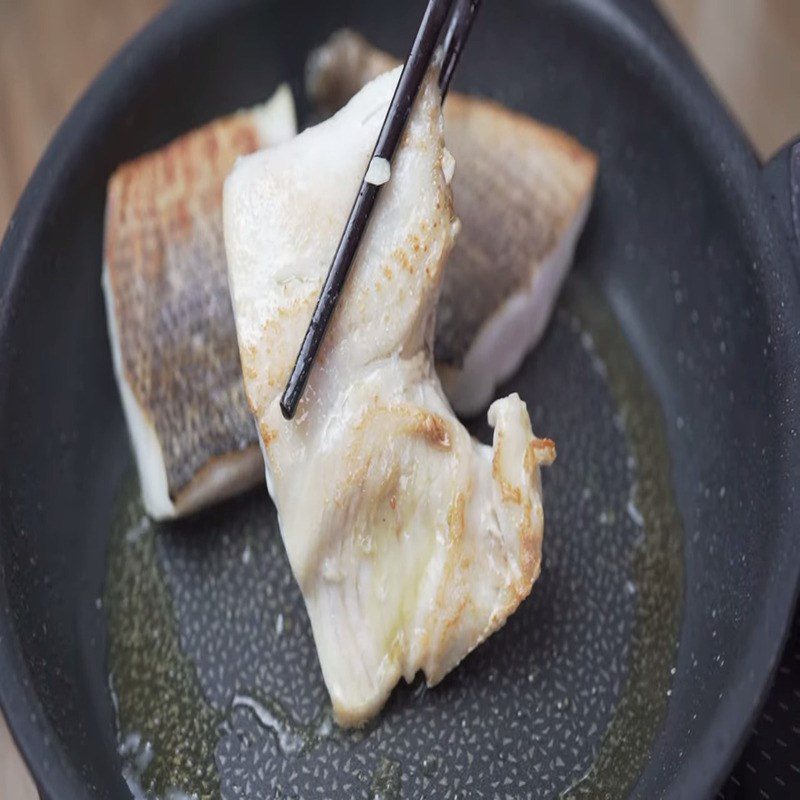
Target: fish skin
[
  {"x": 410, "y": 541},
  {"x": 522, "y": 191},
  {"x": 170, "y": 318}
]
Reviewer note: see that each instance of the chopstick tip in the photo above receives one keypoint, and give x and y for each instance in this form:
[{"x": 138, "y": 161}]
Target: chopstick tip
[{"x": 288, "y": 406}]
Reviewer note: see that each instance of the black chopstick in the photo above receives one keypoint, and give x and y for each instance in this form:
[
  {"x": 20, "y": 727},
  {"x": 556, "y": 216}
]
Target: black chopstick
[
  {"x": 455, "y": 38},
  {"x": 419, "y": 59}
]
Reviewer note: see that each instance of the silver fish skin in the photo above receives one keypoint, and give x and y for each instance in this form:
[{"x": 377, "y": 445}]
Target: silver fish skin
[{"x": 170, "y": 321}]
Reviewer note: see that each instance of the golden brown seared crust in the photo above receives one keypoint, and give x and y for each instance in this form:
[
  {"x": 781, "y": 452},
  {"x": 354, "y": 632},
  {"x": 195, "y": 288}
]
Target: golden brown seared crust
[
  {"x": 509, "y": 492},
  {"x": 432, "y": 428},
  {"x": 540, "y": 452},
  {"x": 166, "y": 271},
  {"x": 268, "y": 435},
  {"x": 530, "y": 525},
  {"x": 456, "y": 519},
  {"x": 275, "y": 349}
]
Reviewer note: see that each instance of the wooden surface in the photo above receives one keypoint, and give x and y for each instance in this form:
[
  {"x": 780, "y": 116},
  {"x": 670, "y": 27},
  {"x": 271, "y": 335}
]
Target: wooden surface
[
  {"x": 51, "y": 49},
  {"x": 14, "y": 781},
  {"x": 49, "y": 52},
  {"x": 751, "y": 50}
]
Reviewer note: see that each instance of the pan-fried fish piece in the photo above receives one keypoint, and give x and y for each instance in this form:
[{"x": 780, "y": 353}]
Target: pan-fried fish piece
[
  {"x": 411, "y": 542},
  {"x": 171, "y": 329},
  {"x": 169, "y": 313},
  {"x": 522, "y": 191}
]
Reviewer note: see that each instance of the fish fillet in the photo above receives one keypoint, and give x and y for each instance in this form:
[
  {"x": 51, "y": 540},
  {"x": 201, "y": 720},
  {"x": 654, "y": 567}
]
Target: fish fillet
[
  {"x": 522, "y": 191},
  {"x": 170, "y": 320},
  {"x": 410, "y": 541}
]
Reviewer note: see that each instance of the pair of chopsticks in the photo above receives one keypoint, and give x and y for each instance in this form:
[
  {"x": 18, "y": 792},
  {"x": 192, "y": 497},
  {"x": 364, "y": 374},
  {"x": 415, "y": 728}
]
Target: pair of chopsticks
[{"x": 460, "y": 14}]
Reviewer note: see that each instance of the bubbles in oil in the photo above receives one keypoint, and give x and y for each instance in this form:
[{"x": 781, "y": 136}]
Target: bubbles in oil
[{"x": 386, "y": 781}]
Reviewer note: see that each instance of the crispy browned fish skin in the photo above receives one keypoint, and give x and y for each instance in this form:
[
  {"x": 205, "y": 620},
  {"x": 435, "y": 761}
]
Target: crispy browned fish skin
[
  {"x": 172, "y": 318},
  {"x": 521, "y": 190}
]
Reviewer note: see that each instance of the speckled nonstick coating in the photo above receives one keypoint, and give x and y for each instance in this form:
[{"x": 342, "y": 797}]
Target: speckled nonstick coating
[
  {"x": 676, "y": 345},
  {"x": 581, "y": 671}
]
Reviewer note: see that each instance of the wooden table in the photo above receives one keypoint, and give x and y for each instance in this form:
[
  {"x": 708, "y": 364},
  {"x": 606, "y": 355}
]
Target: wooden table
[{"x": 51, "y": 49}]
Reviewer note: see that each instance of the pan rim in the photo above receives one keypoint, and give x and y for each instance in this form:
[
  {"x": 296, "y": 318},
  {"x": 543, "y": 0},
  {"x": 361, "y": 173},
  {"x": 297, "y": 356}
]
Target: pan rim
[
  {"x": 642, "y": 26},
  {"x": 700, "y": 773},
  {"x": 52, "y": 771}
]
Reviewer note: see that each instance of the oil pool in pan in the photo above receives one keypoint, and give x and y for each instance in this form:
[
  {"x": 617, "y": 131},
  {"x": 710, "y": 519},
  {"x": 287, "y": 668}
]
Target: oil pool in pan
[{"x": 213, "y": 668}]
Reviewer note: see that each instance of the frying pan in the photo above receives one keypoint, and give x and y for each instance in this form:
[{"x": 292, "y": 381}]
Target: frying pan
[{"x": 669, "y": 379}]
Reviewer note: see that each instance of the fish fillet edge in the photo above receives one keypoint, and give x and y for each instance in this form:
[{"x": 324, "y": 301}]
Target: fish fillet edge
[{"x": 224, "y": 476}]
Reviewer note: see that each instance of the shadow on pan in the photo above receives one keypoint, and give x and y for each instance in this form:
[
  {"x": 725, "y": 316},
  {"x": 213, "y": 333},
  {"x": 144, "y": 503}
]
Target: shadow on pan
[{"x": 669, "y": 379}]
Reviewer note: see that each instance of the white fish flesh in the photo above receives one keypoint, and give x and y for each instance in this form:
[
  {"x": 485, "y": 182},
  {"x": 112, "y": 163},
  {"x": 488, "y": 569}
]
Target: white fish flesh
[
  {"x": 522, "y": 191},
  {"x": 410, "y": 541},
  {"x": 169, "y": 313}
]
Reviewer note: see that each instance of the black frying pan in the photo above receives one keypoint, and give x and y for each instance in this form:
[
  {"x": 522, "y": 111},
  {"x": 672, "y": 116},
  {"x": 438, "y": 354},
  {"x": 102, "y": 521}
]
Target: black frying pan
[{"x": 669, "y": 378}]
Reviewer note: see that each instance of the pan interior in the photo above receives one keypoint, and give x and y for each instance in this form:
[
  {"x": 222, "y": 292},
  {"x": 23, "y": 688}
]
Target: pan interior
[
  {"x": 682, "y": 244},
  {"x": 213, "y": 668}
]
